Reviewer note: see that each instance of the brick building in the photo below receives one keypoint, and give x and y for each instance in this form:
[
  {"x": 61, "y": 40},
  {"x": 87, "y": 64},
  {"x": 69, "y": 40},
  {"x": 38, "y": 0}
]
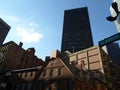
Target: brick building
[
  {"x": 56, "y": 74},
  {"x": 13, "y": 56},
  {"x": 87, "y": 69},
  {"x": 60, "y": 75},
  {"x": 29, "y": 59}
]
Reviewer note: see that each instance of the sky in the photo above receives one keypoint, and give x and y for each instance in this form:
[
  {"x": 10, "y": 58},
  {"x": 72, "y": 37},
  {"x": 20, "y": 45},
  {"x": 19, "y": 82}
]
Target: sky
[{"x": 39, "y": 23}]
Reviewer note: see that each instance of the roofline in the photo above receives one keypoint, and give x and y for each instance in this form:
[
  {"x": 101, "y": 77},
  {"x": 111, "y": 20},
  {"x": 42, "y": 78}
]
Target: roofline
[{"x": 26, "y": 70}]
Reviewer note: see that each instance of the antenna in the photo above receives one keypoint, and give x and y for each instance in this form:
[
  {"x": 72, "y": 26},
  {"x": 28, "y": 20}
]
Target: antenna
[{"x": 73, "y": 49}]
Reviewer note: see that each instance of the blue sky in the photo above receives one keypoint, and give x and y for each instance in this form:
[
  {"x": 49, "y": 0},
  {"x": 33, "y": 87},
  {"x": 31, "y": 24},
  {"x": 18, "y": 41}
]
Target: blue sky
[{"x": 39, "y": 23}]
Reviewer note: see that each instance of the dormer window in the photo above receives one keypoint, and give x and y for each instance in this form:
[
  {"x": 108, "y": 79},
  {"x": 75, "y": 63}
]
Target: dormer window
[
  {"x": 53, "y": 62},
  {"x": 59, "y": 71}
]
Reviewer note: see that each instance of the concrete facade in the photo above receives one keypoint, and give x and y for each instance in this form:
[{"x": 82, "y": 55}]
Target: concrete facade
[{"x": 97, "y": 61}]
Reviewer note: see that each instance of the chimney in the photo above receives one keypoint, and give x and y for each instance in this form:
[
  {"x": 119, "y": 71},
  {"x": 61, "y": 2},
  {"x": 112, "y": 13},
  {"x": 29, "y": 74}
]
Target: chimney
[
  {"x": 55, "y": 54},
  {"x": 20, "y": 44}
]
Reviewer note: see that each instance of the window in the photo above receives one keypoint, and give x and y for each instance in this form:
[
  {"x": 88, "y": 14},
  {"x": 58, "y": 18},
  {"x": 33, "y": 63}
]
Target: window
[
  {"x": 44, "y": 73},
  {"x": 53, "y": 63},
  {"x": 59, "y": 71},
  {"x": 82, "y": 63},
  {"x": 31, "y": 74},
  {"x": 51, "y": 72},
  {"x": 25, "y": 74},
  {"x": 22, "y": 59},
  {"x": 80, "y": 87},
  {"x": 68, "y": 85}
]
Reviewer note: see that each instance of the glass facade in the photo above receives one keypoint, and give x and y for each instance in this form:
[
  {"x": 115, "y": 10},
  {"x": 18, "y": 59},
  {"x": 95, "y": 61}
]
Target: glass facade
[
  {"x": 76, "y": 30},
  {"x": 4, "y": 29}
]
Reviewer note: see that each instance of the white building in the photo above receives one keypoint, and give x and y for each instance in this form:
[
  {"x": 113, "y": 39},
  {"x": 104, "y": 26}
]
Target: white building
[{"x": 117, "y": 22}]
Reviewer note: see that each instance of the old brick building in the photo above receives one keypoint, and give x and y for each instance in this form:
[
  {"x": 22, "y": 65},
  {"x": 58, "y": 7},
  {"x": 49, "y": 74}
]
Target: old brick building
[
  {"x": 29, "y": 59},
  {"x": 60, "y": 75},
  {"x": 89, "y": 69},
  {"x": 56, "y": 74},
  {"x": 13, "y": 56}
]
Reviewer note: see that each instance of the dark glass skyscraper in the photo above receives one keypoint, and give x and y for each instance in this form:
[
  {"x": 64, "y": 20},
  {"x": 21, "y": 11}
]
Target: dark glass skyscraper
[
  {"x": 76, "y": 30},
  {"x": 113, "y": 50},
  {"x": 4, "y": 29}
]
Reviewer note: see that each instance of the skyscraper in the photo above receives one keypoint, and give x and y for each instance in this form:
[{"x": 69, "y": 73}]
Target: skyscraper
[
  {"x": 4, "y": 29},
  {"x": 113, "y": 50},
  {"x": 76, "y": 30}
]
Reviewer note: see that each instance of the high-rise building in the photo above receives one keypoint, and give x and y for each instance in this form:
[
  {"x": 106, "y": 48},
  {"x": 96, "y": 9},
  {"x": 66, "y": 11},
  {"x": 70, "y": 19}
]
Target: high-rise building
[
  {"x": 113, "y": 50},
  {"x": 4, "y": 29},
  {"x": 76, "y": 30},
  {"x": 113, "y": 13}
]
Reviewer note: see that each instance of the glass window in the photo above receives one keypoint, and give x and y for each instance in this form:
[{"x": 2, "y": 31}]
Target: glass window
[
  {"x": 59, "y": 71},
  {"x": 80, "y": 87},
  {"x": 31, "y": 74},
  {"x": 68, "y": 85},
  {"x": 51, "y": 72},
  {"x": 53, "y": 63},
  {"x": 26, "y": 74},
  {"x": 22, "y": 59},
  {"x": 82, "y": 63},
  {"x": 44, "y": 73}
]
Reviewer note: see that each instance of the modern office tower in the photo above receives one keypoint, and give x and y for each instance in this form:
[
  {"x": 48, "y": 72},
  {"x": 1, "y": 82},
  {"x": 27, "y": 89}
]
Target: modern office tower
[
  {"x": 76, "y": 30},
  {"x": 113, "y": 50},
  {"x": 4, "y": 29},
  {"x": 113, "y": 13}
]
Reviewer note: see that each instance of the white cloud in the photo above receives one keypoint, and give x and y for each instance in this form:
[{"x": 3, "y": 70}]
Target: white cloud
[
  {"x": 25, "y": 30},
  {"x": 28, "y": 35},
  {"x": 13, "y": 18},
  {"x": 33, "y": 24}
]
